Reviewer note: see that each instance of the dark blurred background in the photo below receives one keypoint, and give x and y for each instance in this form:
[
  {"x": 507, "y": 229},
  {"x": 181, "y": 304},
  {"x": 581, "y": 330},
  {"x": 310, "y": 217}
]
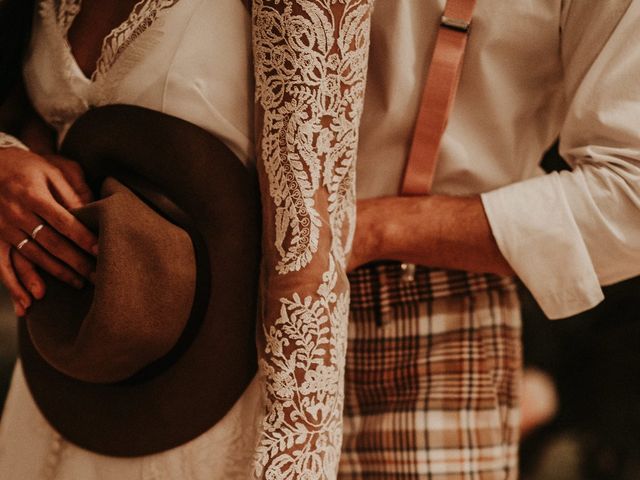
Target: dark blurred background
[{"x": 593, "y": 360}]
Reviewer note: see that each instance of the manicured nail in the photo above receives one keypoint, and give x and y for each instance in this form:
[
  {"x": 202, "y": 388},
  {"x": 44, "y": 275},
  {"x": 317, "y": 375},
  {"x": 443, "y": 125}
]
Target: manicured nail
[{"x": 95, "y": 249}]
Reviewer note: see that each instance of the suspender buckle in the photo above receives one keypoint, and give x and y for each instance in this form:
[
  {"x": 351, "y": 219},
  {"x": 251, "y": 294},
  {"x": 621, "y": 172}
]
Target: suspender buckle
[{"x": 457, "y": 24}]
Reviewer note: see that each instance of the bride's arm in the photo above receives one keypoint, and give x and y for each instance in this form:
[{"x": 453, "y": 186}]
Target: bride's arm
[{"x": 310, "y": 60}]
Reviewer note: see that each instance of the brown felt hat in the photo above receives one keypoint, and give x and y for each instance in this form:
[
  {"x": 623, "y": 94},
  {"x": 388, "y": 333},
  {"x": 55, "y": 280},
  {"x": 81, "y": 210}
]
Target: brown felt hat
[{"x": 163, "y": 345}]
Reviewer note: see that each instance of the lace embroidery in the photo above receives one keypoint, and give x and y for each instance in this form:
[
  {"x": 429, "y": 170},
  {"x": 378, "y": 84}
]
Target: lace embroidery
[
  {"x": 310, "y": 58},
  {"x": 7, "y": 141},
  {"x": 143, "y": 15}
]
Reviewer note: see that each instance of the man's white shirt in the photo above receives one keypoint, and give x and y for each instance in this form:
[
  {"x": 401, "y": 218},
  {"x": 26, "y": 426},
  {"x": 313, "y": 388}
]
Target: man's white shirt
[{"x": 535, "y": 70}]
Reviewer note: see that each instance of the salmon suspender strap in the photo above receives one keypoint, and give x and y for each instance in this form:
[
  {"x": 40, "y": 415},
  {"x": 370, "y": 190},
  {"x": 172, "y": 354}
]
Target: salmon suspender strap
[{"x": 438, "y": 97}]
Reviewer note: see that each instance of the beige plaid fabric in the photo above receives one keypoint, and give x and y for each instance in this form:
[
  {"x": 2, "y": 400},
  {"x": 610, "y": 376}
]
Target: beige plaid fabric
[{"x": 432, "y": 376}]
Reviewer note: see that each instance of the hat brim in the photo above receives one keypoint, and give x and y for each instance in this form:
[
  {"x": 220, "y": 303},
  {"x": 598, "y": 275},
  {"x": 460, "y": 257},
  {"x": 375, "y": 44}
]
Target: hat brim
[{"x": 200, "y": 384}]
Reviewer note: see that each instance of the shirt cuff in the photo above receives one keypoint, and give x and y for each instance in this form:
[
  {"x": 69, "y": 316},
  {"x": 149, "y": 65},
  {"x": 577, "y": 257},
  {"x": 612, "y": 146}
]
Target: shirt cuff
[
  {"x": 538, "y": 235},
  {"x": 7, "y": 141}
]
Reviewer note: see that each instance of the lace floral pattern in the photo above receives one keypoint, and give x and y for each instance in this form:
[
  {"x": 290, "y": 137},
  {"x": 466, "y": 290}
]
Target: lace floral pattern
[
  {"x": 310, "y": 60},
  {"x": 122, "y": 50},
  {"x": 143, "y": 15}
]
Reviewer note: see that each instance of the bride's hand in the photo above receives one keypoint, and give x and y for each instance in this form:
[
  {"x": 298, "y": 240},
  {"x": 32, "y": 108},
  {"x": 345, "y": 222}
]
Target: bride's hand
[
  {"x": 20, "y": 278},
  {"x": 37, "y": 191}
]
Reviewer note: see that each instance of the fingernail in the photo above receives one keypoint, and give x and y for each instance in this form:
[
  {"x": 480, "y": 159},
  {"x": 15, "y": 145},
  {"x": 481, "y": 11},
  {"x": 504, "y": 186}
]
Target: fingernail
[
  {"x": 78, "y": 284},
  {"x": 25, "y": 304},
  {"x": 18, "y": 309},
  {"x": 94, "y": 249},
  {"x": 36, "y": 291}
]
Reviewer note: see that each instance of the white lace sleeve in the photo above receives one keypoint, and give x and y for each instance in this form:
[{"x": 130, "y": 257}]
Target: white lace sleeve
[
  {"x": 7, "y": 141},
  {"x": 310, "y": 61}
]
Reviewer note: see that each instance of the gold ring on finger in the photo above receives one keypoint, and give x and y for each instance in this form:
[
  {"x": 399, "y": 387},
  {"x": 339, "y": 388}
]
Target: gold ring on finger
[
  {"x": 36, "y": 230},
  {"x": 22, "y": 243}
]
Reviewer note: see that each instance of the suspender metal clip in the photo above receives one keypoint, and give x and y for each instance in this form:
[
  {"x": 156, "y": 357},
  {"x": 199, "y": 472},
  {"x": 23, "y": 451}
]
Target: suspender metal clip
[
  {"x": 408, "y": 272},
  {"x": 457, "y": 24}
]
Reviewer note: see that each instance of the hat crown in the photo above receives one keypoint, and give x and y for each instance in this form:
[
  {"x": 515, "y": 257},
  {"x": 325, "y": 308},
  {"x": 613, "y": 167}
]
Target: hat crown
[{"x": 135, "y": 314}]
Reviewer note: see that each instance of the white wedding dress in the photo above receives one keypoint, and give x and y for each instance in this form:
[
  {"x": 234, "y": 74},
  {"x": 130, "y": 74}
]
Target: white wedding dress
[
  {"x": 187, "y": 58},
  {"x": 191, "y": 59}
]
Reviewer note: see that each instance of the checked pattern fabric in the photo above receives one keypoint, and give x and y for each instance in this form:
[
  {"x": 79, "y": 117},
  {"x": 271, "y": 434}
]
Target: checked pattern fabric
[{"x": 432, "y": 376}]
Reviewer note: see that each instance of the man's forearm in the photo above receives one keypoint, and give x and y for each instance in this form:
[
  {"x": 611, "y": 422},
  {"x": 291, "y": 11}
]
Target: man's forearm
[{"x": 437, "y": 231}]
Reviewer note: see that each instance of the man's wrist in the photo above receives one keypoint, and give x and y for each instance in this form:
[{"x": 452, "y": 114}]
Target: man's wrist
[
  {"x": 440, "y": 231},
  {"x": 370, "y": 240},
  {"x": 407, "y": 227}
]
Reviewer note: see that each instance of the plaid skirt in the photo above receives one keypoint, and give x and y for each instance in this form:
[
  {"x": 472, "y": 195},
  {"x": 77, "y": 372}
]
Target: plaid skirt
[{"x": 432, "y": 377}]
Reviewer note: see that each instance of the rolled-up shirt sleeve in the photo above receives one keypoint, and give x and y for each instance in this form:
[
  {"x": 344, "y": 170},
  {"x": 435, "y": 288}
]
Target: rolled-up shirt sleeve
[{"x": 566, "y": 234}]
